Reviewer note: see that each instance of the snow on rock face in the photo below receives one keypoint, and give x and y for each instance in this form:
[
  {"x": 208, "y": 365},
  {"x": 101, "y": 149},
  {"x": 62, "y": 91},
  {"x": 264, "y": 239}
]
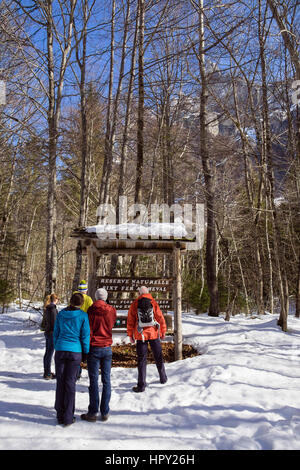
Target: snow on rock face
[{"x": 242, "y": 393}]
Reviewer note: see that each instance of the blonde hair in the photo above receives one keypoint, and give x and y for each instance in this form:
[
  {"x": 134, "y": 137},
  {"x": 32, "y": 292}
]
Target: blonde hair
[
  {"x": 53, "y": 297},
  {"x": 49, "y": 298},
  {"x": 46, "y": 301}
]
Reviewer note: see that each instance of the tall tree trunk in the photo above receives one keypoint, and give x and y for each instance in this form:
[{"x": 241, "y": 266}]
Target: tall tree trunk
[
  {"x": 289, "y": 38},
  {"x": 114, "y": 258},
  {"x": 290, "y": 41},
  {"x": 24, "y": 257},
  {"x": 104, "y": 194},
  {"x": 297, "y": 314},
  {"x": 5, "y": 211},
  {"x": 84, "y": 147},
  {"x": 241, "y": 271},
  {"x": 269, "y": 183},
  {"x": 124, "y": 148},
  {"x": 269, "y": 256},
  {"x": 140, "y": 119},
  {"x": 51, "y": 248},
  {"x": 209, "y": 178},
  {"x": 54, "y": 109}
]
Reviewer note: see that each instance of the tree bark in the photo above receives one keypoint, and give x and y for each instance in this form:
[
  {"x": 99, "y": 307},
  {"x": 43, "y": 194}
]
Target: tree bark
[
  {"x": 297, "y": 314},
  {"x": 84, "y": 146},
  {"x": 51, "y": 248},
  {"x": 209, "y": 178},
  {"x": 104, "y": 193},
  {"x": 178, "y": 304},
  {"x": 287, "y": 36},
  {"x": 125, "y": 136},
  {"x": 140, "y": 119},
  {"x": 54, "y": 109},
  {"x": 269, "y": 179}
]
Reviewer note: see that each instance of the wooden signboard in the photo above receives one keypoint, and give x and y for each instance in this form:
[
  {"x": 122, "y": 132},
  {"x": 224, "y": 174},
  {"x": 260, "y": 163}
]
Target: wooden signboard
[
  {"x": 124, "y": 304},
  {"x": 121, "y": 323},
  {"x": 129, "y": 284}
]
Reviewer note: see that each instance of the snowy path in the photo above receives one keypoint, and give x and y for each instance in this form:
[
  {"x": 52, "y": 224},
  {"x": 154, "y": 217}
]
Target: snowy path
[{"x": 241, "y": 393}]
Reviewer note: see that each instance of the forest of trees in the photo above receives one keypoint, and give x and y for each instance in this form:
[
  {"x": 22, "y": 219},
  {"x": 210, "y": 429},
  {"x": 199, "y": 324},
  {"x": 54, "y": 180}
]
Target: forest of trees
[{"x": 162, "y": 101}]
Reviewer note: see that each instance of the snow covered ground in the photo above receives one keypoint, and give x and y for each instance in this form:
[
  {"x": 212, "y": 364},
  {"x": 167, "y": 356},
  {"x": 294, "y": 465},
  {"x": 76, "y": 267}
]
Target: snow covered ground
[{"x": 241, "y": 393}]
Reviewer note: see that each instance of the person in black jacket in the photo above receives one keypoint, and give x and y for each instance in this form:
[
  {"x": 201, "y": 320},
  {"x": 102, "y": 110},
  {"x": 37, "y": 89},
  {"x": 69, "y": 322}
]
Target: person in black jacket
[{"x": 49, "y": 320}]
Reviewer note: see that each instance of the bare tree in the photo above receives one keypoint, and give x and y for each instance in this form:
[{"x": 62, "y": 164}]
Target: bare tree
[
  {"x": 290, "y": 40},
  {"x": 208, "y": 170},
  {"x": 85, "y": 166},
  {"x": 55, "y": 95}
]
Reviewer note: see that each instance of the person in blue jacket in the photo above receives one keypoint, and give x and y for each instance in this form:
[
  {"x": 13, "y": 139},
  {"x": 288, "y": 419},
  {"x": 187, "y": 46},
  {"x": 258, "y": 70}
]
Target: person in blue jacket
[{"x": 71, "y": 337}]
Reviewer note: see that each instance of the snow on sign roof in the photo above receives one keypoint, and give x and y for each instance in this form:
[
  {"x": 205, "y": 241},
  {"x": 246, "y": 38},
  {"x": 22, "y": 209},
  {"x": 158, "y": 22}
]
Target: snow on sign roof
[{"x": 138, "y": 231}]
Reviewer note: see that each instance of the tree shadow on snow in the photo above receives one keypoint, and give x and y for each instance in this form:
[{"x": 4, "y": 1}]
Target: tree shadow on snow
[
  {"x": 36, "y": 414},
  {"x": 31, "y": 382},
  {"x": 27, "y": 340}
]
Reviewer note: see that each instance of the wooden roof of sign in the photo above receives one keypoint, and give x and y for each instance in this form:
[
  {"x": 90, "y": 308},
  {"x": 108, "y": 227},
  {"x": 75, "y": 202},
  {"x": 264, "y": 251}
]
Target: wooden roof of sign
[{"x": 134, "y": 238}]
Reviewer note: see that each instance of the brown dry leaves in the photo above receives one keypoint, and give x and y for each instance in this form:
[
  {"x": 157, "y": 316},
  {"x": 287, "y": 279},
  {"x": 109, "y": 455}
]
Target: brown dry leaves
[{"x": 125, "y": 355}]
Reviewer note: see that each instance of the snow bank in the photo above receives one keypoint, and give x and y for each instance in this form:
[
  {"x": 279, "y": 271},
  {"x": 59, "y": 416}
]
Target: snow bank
[{"x": 241, "y": 393}]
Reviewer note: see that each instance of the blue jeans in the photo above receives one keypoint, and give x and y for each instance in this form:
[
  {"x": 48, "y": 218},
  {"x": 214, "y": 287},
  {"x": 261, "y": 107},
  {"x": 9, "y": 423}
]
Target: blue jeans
[
  {"x": 48, "y": 353},
  {"x": 99, "y": 358}
]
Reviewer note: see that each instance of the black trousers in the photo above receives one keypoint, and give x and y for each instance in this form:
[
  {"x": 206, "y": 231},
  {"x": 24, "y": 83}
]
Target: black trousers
[
  {"x": 142, "y": 350},
  {"x": 48, "y": 353},
  {"x": 66, "y": 369}
]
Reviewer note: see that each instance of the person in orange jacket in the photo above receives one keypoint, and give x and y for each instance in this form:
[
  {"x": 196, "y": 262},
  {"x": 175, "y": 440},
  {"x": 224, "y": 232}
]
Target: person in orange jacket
[{"x": 146, "y": 323}]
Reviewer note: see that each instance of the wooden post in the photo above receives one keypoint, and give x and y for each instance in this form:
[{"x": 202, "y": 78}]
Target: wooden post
[
  {"x": 92, "y": 270},
  {"x": 177, "y": 304}
]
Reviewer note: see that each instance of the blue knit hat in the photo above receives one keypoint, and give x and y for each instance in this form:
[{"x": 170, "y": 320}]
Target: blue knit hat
[{"x": 82, "y": 286}]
